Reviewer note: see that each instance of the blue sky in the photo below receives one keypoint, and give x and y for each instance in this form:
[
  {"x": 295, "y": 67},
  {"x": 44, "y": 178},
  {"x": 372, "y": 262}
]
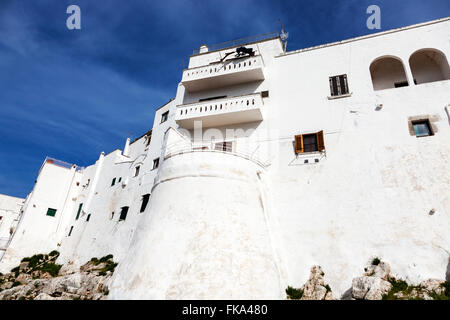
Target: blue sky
[{"x": 71, "y": 94}]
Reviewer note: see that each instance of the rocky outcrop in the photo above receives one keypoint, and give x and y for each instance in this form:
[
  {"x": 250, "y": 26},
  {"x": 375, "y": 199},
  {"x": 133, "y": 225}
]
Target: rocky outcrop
[
  {"x": 313, "y": 289},
  {"x": 378, "y": 284},
  {"x": 29, "y": 281}
]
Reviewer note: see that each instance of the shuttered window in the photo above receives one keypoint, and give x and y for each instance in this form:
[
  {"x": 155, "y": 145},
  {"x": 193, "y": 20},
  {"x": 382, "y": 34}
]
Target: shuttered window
[
  {"x": 309, "y": 142},
  {"x": 339, "y": 85},
  {"x": 51, "y": 212}
]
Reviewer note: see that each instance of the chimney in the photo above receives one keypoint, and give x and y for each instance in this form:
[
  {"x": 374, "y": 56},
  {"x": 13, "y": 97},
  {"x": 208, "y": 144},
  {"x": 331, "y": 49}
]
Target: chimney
[
  {"x": 203, "y": 48},
  {"x": 126, "y": 150}
]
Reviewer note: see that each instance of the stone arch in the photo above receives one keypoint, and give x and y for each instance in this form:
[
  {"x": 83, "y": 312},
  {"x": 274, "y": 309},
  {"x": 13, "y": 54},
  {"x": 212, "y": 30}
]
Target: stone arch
[
  {"x": 388, "y": 72},
  {"x": 429, "y": 65}
]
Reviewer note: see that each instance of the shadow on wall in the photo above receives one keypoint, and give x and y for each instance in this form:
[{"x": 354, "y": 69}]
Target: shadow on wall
[{"x": 447, "y": 273}]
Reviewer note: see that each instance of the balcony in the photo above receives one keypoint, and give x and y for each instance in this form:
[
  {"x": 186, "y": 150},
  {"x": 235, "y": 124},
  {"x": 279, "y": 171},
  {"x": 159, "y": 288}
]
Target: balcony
[
  {"x": 222, "y": 74},
  {"x": 221, "y": 112}
]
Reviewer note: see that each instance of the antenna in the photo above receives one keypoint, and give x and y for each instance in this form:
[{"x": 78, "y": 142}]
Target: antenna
[{"x": 284, "y": 35}]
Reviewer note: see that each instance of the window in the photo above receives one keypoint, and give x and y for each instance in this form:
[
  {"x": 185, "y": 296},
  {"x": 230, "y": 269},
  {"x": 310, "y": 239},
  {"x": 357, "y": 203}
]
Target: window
[
  {"x": 265, "y": 94},
  {"x": 79, "y": 211},
  {"x": 123, "y": 213},
  {"x": 155, "y": 163},
  {"x": 51, "y": 212},
  {"x": 164, "y": 116},
  {"x": 111, "y": 216},
  {"x": 120, "y": 179},
  {"x": 212, "y": 98},
  {"x": 224, "y": 146},
  {"x": 386, "y": 72},
  {"x": 339, "y": 85},
  {"x": 88, "y": 217},
  {"x": 422, "y": 128},
  {"x": 113, "y": 182},
  {"x": 136, "y": 170},
  {"x": 70, "y": 232},
  {"x": 309, "y": 142},
  {"x": 1, "y": 217},
  {"x": 145, "y": 199}
]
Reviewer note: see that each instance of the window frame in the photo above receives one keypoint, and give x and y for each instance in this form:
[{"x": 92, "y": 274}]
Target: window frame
[
  {"x": 51, "y": 210},
  {"x": 164, "y": 116},
  {"x": 299, "y": 143},
  {"x": 339, "y": 92},
  {"x": 428, "y": 125}
]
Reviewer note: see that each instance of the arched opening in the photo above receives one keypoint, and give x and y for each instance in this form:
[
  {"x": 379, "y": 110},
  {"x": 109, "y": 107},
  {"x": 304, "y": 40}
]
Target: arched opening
[
  {"x": 429, "y": 65},
  {"x": 388, "y": 72}
]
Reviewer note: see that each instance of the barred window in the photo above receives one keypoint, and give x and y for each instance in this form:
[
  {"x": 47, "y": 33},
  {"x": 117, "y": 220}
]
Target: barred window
[{"x": 339, "y": 85}]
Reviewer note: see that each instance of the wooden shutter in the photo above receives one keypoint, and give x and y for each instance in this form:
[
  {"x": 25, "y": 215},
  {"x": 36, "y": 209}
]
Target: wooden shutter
[
  {"x": 320, "y": 141},
  {"x": 298, "y": 143}
]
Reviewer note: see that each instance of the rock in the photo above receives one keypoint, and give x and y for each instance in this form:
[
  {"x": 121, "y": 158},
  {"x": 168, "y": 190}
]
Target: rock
[
  {"x": 69, "y": 268},
  {"x": 369, "y": 288},
  {"x": 381, "y": 270},
  {"x": 315, "y": 288},
  {"x": 23, "y": 278},
  {"x": 23, "y": 265},
  {"x": 433, "y": 285}
]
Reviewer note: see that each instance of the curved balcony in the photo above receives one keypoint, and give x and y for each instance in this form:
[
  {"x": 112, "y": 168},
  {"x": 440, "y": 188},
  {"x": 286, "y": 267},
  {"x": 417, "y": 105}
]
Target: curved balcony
[
  {"x": 223, "y": 74},
  {"x": 221, "y": 112}
]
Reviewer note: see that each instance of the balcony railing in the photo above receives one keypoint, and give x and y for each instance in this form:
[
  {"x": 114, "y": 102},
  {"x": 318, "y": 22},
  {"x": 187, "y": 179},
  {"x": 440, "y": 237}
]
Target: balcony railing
[
  {"x": 222, "y": 74},
  {"x": 221, "y": 112}
]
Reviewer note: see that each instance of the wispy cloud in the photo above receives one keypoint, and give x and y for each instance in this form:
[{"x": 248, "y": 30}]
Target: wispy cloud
[{"x": 73, "y": 94}]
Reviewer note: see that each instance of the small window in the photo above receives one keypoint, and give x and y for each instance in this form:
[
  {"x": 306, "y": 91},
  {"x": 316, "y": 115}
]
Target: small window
[
  {"x": 155, "y": 163},
  {"x": 88, "y": 217},
  {"x": 70, "y": 232},
  {"x": 79, "y": 211},
  {"x": 1, "y": 217},
  {"x": 422, "y": 128},
  {"x": 111, "y": 216},
  {"x": 145, "y": 199},
  {"x": 164, "y": 116},
  {"x": 224, "y": 146},
  {"x": 265, "y": 94},
  {"x": 123, "y": 213},
  {"x": 51, "y": 212},
  {"x": 120, "y": 179},
  {"x": 136, "y": 170},
  {"x": 309, "y": 142},
  {"x": 113, "y": 182},
  {"x": 339, "y": 85}
]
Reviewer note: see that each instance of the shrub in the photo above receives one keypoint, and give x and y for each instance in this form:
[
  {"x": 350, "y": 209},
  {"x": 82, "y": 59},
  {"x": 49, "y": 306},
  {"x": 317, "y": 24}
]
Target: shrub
[
  {"x": 106, "y": 258},
  {"x": 54, "y": 253},
  {"x": 16, "y": 283},
  {"x": 293, "y": 293},
  {"x": 376, "y": 261},
  {"x": 51, "y": 268},
  {"x": 328, "y": 288}
]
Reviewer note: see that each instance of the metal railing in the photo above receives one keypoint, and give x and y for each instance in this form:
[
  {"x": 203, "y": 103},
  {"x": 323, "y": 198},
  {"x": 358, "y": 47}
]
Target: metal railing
[
  {"x": 241, "y": 41},
  {"x": 63, "y": 164},
  {"x": 215, "y": 147}
]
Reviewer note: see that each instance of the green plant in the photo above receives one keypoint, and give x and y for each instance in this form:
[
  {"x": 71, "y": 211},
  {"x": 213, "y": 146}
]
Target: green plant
[
  {"x": 54, "y": 253},
  {"x": 51, "y": 268},
  {"x": 328, "y": 288},
  {"x": 293, "y": 293},
  {"x": 376, "y": 261},
  {"x": 106, "y": 258},
  {"x": 16, "y": 283},
  {"x": 21, "y": 298}
]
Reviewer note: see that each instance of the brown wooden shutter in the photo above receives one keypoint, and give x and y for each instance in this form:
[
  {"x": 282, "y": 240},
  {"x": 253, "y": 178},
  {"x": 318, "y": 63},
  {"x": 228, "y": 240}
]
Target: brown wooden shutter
[
  {"x": 320, "y": 141},
  {"x": 298, "y": 143}
]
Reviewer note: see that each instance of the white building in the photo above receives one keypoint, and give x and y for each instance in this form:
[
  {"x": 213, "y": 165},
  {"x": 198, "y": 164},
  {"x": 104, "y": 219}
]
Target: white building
[
  {"x": 10, "y": 213},
  {"x": 330, "y": 155}
]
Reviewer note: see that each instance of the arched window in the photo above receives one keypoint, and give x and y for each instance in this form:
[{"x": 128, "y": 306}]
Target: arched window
[
  {"x": 388, "y": 72},
  {"x": 429, "y": 65}
]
